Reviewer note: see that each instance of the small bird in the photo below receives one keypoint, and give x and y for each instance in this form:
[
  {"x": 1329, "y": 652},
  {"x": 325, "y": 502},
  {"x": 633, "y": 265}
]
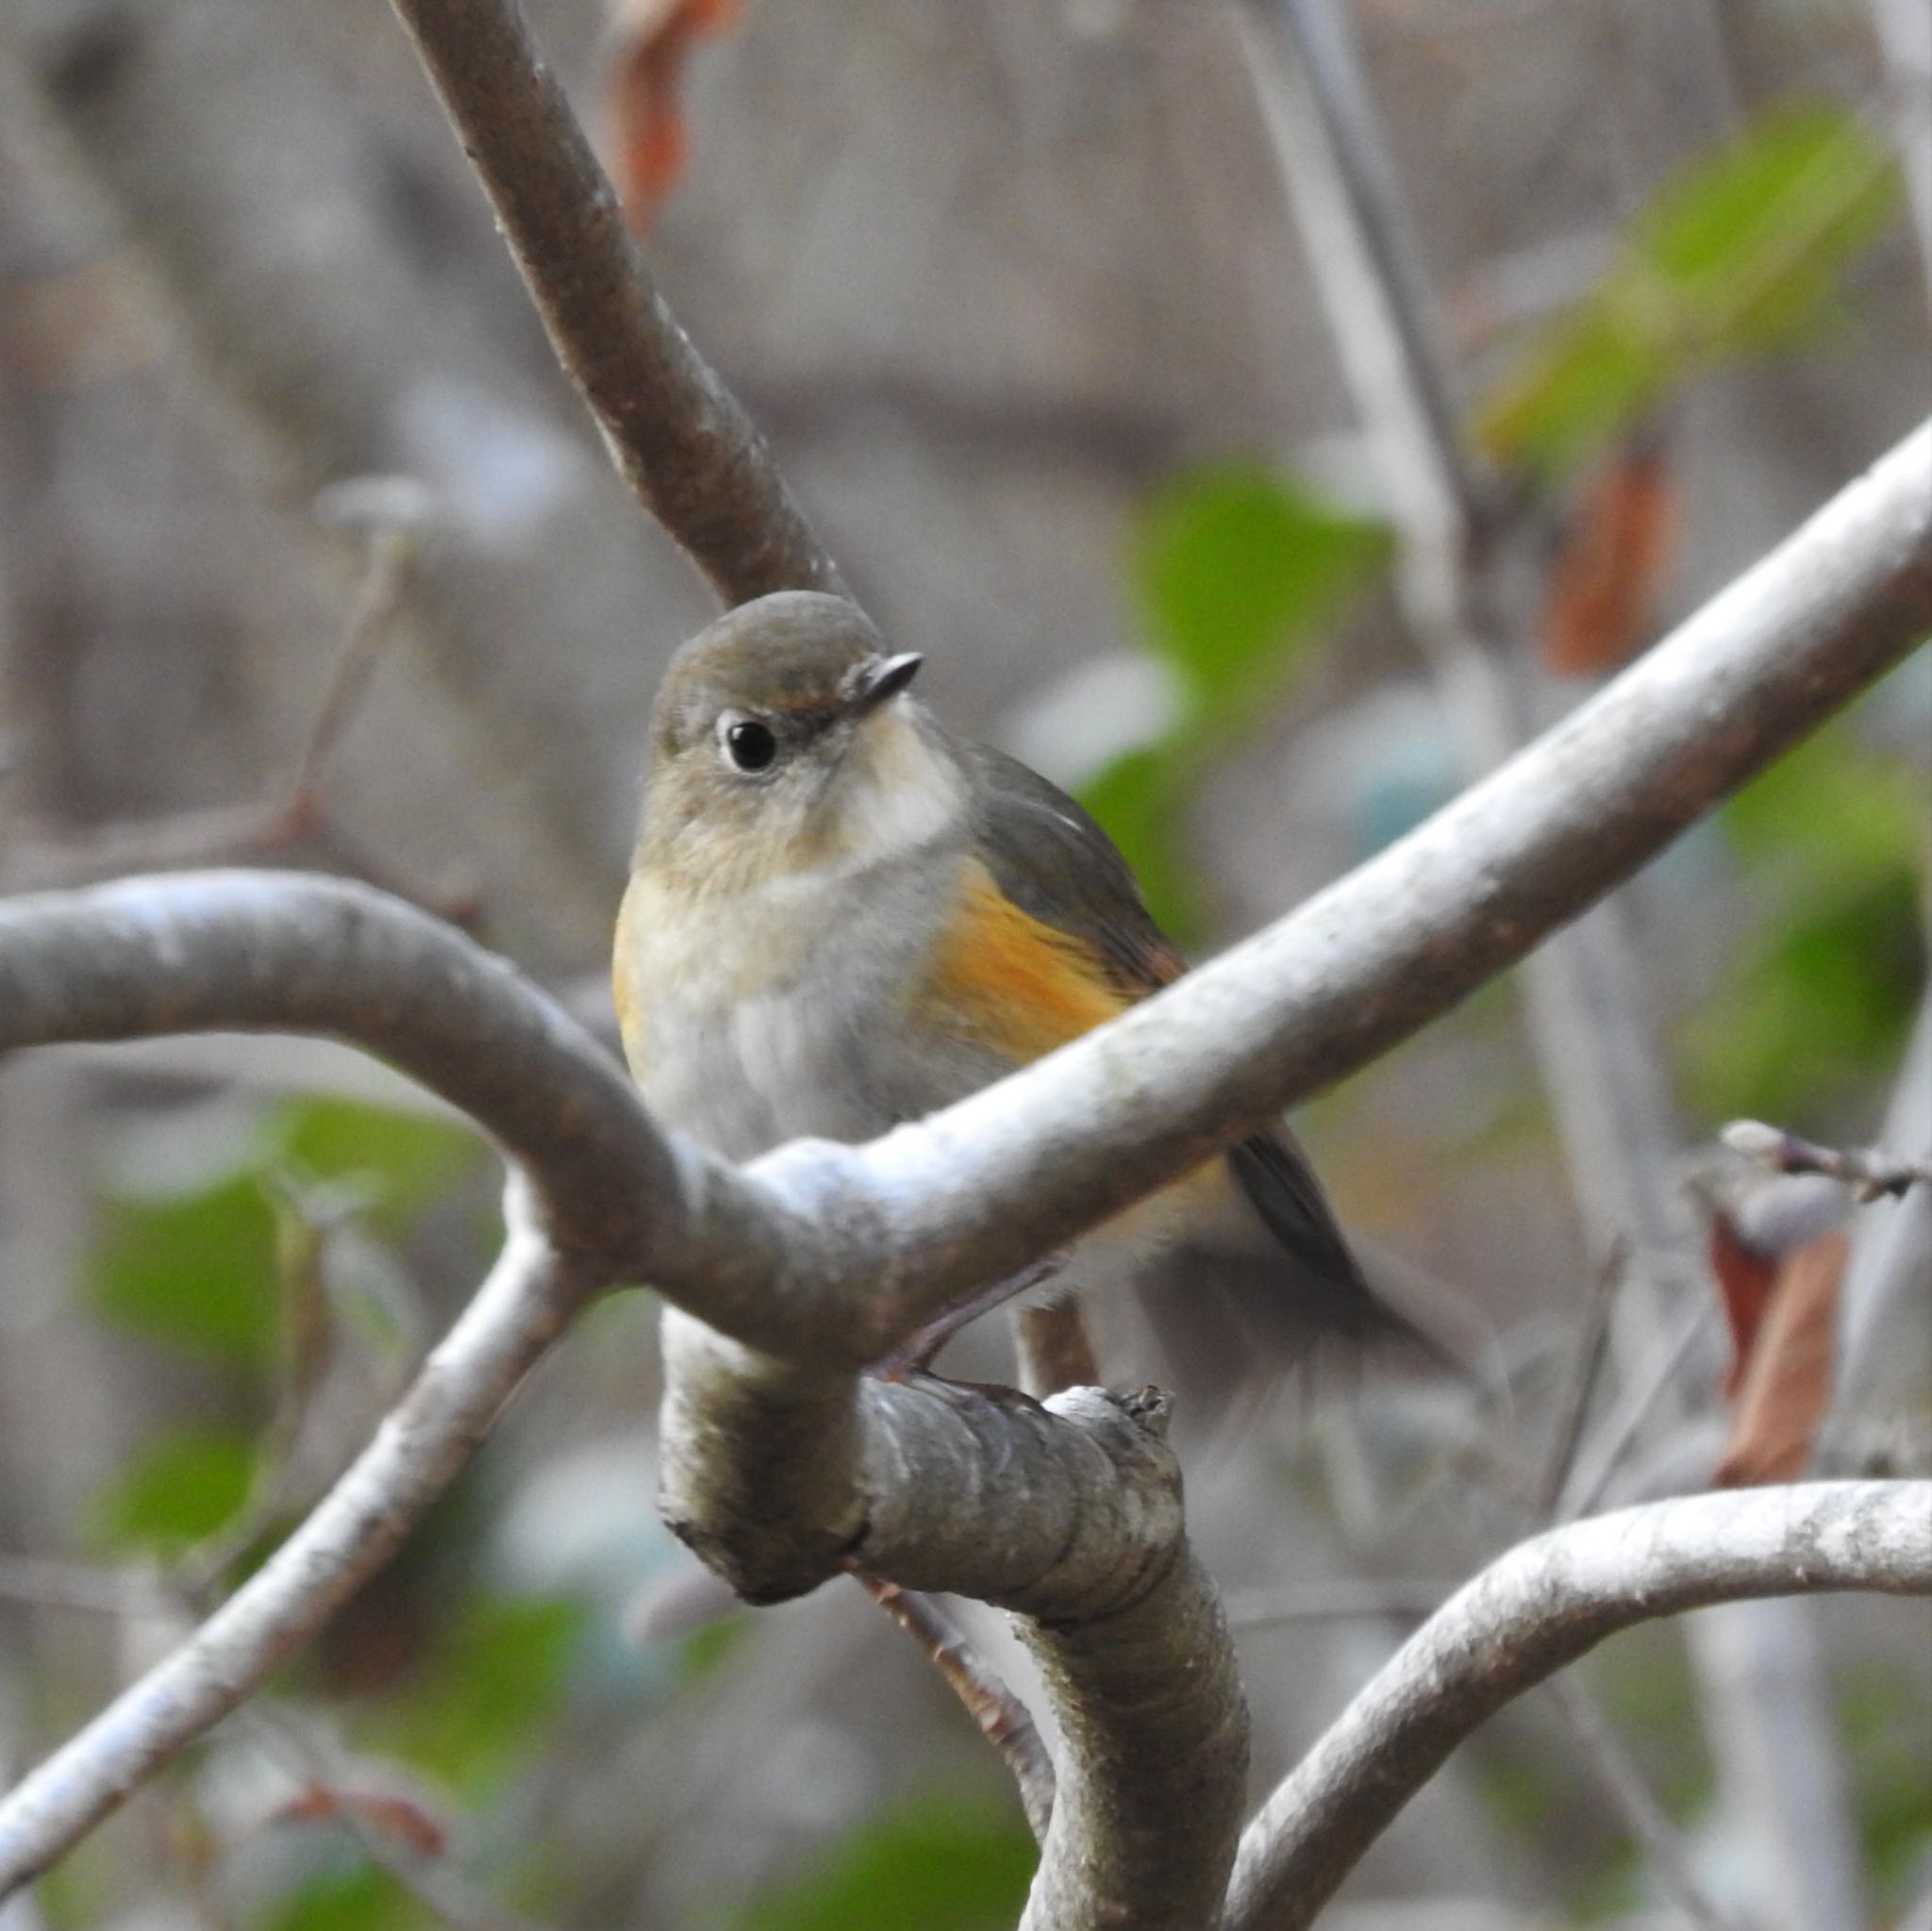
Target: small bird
[{"x": 842, "y": 916}]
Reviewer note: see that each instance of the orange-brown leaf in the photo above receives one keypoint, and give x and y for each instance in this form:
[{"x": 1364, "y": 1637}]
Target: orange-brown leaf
[
  {"x": 403, "y": 1818},
  {"x": 1787, "y": 1384},
  {"x": 1602, "y": 603},
  {"x": 645, "y": 95},
  {"x": 1746, "y": 1278}
]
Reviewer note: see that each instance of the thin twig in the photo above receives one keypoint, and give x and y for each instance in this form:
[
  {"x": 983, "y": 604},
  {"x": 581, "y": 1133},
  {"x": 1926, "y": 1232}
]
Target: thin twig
[
  {"x": 1002, "y": 1719},
  {"x": 1603, "y": 1753},
  {"x": 435, "y": 1884},
  {"x": 1871, "y": 1171},
  {"x": 1572, "y": 1411},
  {"x": 1336, "y": 1602},
  {"x": 1625, "y": 1422},
  {"x": 393, "y": 514}
]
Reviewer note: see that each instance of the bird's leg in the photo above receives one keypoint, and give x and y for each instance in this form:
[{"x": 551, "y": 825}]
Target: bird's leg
[{"x": 916, "y": 1353}]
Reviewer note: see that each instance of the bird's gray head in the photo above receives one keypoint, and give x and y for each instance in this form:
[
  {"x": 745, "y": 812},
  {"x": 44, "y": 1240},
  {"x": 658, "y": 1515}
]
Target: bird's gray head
[{"x": 780, "y": 742}]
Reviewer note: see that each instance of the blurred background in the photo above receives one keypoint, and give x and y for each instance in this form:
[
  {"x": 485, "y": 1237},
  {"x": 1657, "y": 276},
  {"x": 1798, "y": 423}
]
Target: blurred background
[{"x": 309, "y": 555}]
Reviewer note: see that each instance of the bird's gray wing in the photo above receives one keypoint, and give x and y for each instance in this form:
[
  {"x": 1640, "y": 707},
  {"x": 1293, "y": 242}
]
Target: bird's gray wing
[{"x": 1053, "y": 861}]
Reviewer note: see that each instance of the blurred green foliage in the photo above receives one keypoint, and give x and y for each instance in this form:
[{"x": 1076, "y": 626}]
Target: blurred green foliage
[
  {"x": 1821, "y": 984},
  {"x": 1237, "y": 570},
  {"x": 406, "y": 1162},
  {"x": 354, "y": 1897},
  {"x": 180, "y": 1486},
  {"x": 482, "y": 1703},
  {"x": 1885, "y": 1721},
  {"x": 1737, "y": 255},
  {"x": 943, "y": 1865},
  {"x": 195, "y": 1273}
]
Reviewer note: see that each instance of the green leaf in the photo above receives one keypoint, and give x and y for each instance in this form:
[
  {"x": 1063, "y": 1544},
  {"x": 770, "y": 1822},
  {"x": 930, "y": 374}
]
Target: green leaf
[
  {"x": 498, "y": 1676},
  {"x": 181, "y": 1488},
  {"x": 407, "y": 1160},
  {"x": 1822, "y": 982},
  {"x": 1236, "y": 568},
  {"x": 356, "y": 1897},
  {"x": 198, "y": 1274},
  {"x": 1739, "y": 255},
  {"x": 1140, "y": 798},
  {"x": 930, "y": 1865}
]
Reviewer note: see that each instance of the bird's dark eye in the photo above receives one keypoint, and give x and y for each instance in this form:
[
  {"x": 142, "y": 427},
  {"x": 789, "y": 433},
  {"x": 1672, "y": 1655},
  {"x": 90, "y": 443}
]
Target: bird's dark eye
[{"x": 750, "y": 744}]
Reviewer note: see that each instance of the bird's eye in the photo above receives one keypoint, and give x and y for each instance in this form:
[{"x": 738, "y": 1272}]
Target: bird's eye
[{"x": 749, "y": 745}]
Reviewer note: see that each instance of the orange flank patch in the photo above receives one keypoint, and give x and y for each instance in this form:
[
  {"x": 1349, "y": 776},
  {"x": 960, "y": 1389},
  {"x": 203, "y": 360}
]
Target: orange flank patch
[{"x": 1005, "y": 981}]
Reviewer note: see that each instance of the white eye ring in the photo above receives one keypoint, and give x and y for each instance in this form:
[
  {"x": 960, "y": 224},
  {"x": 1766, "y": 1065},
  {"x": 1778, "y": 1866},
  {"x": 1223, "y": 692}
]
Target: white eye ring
[{"x": 749, "y": 745}]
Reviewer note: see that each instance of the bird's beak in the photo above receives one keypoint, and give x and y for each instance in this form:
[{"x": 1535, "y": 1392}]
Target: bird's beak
[{"x": 883, "y": 680}]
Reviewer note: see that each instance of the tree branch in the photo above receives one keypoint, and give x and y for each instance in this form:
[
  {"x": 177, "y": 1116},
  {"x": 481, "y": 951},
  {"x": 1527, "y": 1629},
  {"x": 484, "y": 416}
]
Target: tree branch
[
  {"x": 1068, "y": 1514},
  {"x": 823, "y": 1255},
  {"x": 1543, "y": 1604},
  {"x": 1002, "y": 1719},
  {"x": 529, "y": 1296},
  {"x": 677, "y": 435},
  {"x": 1024, "y": 1166}
]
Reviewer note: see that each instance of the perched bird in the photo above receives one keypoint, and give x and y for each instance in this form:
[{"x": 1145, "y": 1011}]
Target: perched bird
[{"x": 842, "y": 916}]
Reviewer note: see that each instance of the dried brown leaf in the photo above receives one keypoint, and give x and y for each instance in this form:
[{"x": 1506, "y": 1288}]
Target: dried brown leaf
[
  {"x": 1602, "y": 605},
  {"x": 644, "y": 95},
  {"x": 1746, "y": 1276},
  {"x": 1786, "y": 1382}
]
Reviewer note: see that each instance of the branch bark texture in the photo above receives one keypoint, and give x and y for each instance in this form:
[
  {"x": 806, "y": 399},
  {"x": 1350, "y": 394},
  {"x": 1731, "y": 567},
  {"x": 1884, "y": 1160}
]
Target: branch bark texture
[
  {"x": 1543, "y": 1604},
  {"x": 677, "y": 435}
]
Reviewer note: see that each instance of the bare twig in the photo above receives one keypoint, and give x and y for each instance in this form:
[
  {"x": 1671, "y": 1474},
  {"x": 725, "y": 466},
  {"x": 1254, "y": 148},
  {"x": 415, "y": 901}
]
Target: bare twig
[
  {"x": 1541, "y": 1606},
  {"x": 1603, "y": 1753},
  {"x": 1870, "y": 1172},
  {"x": 1334, "y": 1602},
  {"x": 676, "y": 434},
  {"x": 44, "y": 1582},
  {"x": 1641, "y": 1397},
  {"x": 1461, "y": 590},
  {"x": 1573, "y": 1409},
  {"x": 1904, "y": 38},
  {"x": 433, "y": 1882},
  {"x": 392, "y": 512},
  {"x": 430, "y": 1434},
  {"x": 1005, "y": 1722},
  {"x": 1462, "y": 583},
  {"x": 1891, "y": 1254}
]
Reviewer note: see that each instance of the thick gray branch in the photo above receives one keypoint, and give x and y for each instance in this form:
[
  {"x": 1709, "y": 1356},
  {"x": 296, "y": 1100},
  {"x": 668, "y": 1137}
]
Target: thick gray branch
[
  {"x": 1543, "y": 1604},
  {"x": 677, "y": 435},
  {"x": 1068, "y": 1514},
  {"x": 830, "y": 1253},
  {"x": 289, "y": 952}
]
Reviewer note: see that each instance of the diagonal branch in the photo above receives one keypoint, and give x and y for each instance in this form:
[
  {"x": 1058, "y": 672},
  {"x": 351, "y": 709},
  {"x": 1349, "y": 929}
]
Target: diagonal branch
[
  {"x": 1543, "y": 1604},
  {"x": 529, "y": 1297},
  {"x": 677, "y": 435},
  {"x": 1029, "y": 1163},
  {"x": 1002, "y": 1719}
]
